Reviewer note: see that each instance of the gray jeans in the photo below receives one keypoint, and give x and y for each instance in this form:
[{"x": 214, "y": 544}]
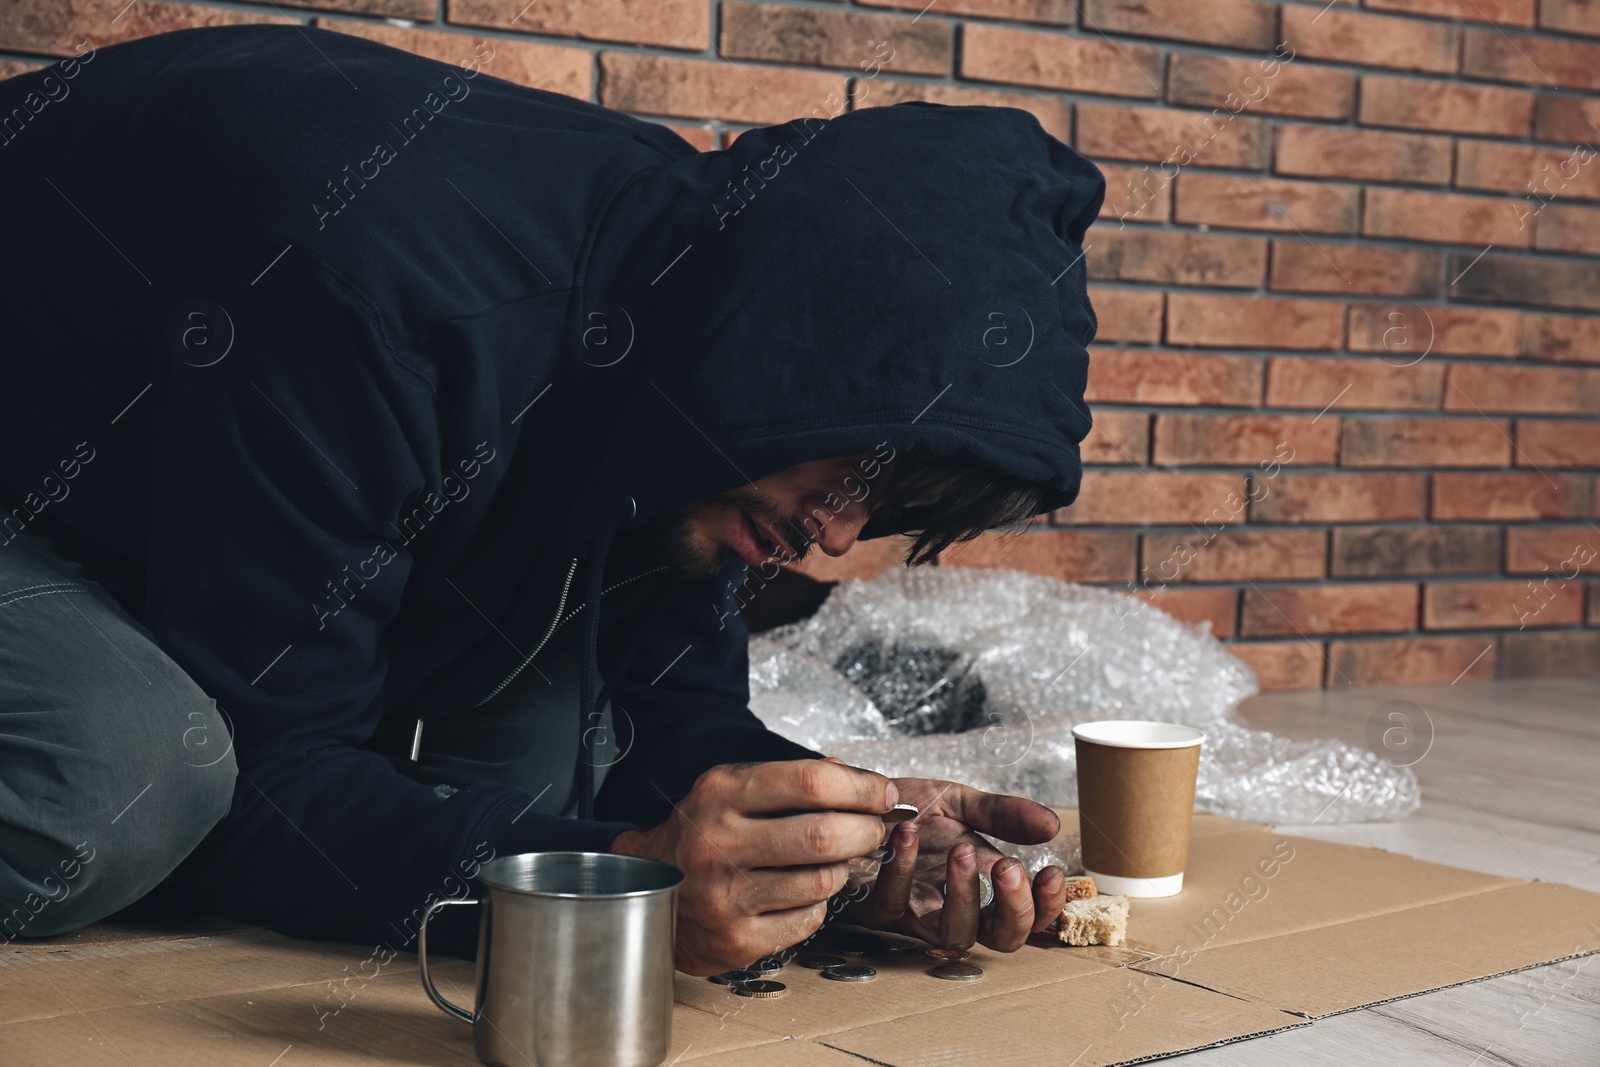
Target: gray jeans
[{"x": 113, "y": 763}]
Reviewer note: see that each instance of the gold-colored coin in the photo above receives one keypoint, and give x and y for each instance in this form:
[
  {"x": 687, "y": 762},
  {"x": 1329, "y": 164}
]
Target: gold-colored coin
[{"x": 948, "y": 955}]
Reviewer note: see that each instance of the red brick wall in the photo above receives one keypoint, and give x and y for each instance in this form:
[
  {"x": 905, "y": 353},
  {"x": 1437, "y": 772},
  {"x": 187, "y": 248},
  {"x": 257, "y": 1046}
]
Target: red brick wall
[{"x": 1347, "y": 384}]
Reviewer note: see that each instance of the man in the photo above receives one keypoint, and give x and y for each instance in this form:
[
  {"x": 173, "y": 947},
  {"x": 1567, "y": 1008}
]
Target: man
[{"x": 409, "y": 435}]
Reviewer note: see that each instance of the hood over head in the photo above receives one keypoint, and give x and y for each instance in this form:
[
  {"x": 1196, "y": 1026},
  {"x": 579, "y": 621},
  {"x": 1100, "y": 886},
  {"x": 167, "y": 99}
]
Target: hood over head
[{"x": 909, "y": 274}]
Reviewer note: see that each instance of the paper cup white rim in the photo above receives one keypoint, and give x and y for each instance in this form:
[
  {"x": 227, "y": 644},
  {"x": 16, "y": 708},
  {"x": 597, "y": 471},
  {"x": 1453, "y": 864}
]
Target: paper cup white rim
[{"x": 1086, "y": 731}]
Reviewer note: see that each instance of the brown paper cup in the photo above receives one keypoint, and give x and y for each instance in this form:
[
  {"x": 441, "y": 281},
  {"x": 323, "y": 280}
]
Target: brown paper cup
[{"x": 1135, "y": 800}]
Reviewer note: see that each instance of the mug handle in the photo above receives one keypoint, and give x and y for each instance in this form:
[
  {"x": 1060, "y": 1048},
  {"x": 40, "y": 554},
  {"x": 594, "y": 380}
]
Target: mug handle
[{"x": 422, "y": 961}]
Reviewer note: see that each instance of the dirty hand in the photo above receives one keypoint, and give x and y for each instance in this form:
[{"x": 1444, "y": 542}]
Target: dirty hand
[
  {"x": 942, "y": 846},
  {"x": 763, "y": 847}
]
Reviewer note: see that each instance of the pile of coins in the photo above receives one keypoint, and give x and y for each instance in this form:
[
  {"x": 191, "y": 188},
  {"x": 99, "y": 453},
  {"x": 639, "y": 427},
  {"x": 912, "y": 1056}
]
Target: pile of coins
[{"x": 840, "y": 962}]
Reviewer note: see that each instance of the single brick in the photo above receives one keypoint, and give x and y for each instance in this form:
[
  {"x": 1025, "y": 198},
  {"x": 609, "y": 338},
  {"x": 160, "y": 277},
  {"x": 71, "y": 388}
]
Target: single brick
[
  {"x": 1397, "y": 551},
  {"x": 1362, "y": 155},
  {"x": 1344, "y": 608},
  {"x": 1240, "y": 440},
  {"x": 1459, "y": 107},
  {"x": 1060, "y": 12},
  {"x": 1408, "y": 332},
  {"x": 421, "y": 10},
  {"x": 10, "y": 68},
  {"x": 1539, "y": 174},
  {"x": 1135, "y": 194},
  {"x": 819, "y": 37},
  {"x": 1565, "y": 228},
  {"x": 1071, "y": 555},
  {"x": 1510, "y": 279},
  {"x": 1371, "y": 40},
  {"x": 1253, "y": 322},
  {"x": 1558, "y": 443},
  {"x": 681, "y": 24},
  {"x": 1572, "y": 120},
  {"x": 1177, "y": 258},
  {"x": 1513, "y": 496},
  {"x": 556, "y": 68},
  {"x": 1299, "y": 266},
  {"x": 1563, "y": 338},
  {"x": 1515, "y": 604},
  {"x": 1450, "y": 218},
  {"x": 1281, "y": 665},
  {"x": 1232, "y": 555},
  {"x": 72, "y": 29},
  {"x": 1049, "y": 60},
  {"x": 1392, "y": 384},
  {"x": 1117, "y": 438},
  {"x": 1541, "y": 61},
  {"x": 1142, "y": 376},
  {"x": 1076, "y": 555},
  {"x": 1337, "y": 498},
  {"x": 1570, "y": 16},
  {"x": 1216, "y": 607},
  {"x": 1053, "y": 113},
  {"x": 1128, "y": 315},
  {"x": 866, "y": 559},
  {"x": 1565, "y": 654},
  {"x": 1504, "y": 12},
  {"x": 1266, "y": 204},
  {"x": 1566, "y": 551},
  {"x": 1118, "y": 498},
  {"x": 1410, "y": 661},
  {"x": 1497, "y": 387},
  {"x": 1466, "y": 442},
  {"x": 702, "y": 137},
  {"x": 1261, "y": 86},
  {"x": 1178, "y": 138},
  {"x": 1246, "y": 24},
  {"x": 712, "y": 88}
]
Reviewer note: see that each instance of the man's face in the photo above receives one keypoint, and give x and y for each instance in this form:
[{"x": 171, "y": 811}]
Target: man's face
[{"x": 777, "y": 517}]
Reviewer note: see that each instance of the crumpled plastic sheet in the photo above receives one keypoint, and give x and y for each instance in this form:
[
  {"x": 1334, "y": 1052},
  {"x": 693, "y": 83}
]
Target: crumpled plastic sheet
[{"x": 978, "y": 676}]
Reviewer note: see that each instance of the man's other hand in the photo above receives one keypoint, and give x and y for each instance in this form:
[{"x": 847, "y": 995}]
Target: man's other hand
[{"x": 763, "y": 847}]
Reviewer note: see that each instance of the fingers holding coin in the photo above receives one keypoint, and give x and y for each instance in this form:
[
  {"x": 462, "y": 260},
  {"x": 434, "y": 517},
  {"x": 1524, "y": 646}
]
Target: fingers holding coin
[
  {"x": 1006, "y": 926},
  {"x": 959, "y": 918}
]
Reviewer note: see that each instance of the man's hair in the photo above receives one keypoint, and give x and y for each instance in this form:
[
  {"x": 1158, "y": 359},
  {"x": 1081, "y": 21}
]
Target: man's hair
[{"x": 939, "y": 501}]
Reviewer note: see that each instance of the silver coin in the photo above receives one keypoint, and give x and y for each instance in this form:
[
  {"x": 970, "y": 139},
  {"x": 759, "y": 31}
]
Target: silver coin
[
  {"x": 850, "y": 972},
  {"x": 768, "y": 967},
  {"x": 957, "y": 972},
  {"x": 818, "y": 963},
  {"x": 985, "y": 891},
  {"x": 735, "y": 977},
  {"x": 761, "y": 989},
  {"x": 899, "y": 814}
]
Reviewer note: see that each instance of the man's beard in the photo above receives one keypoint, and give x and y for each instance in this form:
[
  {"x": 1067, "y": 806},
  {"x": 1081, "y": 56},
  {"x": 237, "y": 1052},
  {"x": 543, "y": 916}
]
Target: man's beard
[{"x": 676, "y": 528}]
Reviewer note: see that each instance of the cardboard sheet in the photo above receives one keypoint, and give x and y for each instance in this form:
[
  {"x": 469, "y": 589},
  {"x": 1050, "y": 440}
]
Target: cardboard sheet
[{"x": 1270, "y": 933}]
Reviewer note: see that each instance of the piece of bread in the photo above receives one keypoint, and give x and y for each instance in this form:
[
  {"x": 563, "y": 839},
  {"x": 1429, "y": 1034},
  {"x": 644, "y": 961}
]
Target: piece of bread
[
  {"x": 1081, "y": 888},
  {"x": 1098, "y": 920}
]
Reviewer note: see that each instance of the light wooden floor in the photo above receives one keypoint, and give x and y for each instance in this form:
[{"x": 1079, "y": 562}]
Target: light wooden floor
[{"x": 1510, "y": 786}]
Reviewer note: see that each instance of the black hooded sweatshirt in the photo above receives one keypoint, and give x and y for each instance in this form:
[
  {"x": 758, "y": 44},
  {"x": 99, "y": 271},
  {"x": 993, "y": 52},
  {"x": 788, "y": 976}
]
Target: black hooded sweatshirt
[{"x": 360, "y": 360}]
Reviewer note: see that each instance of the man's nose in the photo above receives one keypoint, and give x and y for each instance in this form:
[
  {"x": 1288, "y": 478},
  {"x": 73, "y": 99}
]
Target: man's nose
[{"x": 836, "y": 531}]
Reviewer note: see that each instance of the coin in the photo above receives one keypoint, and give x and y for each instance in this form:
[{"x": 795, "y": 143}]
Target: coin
[
  {"x": 760, "y": 988},
  {"x": 734, "y": 977},
  {"x": 957, "y": 972},
  {"x": 948, "y": 955},
  {"x": 850, "y": 972},
  {"x": 856, "y": 946},
  {"x": 898, "y": 944},
  {"x": 768, "y": 967},
  {"x": 817, "y": 963},
  {"x": 900, "y": 813},
  {"x": 985, "y": 891}
]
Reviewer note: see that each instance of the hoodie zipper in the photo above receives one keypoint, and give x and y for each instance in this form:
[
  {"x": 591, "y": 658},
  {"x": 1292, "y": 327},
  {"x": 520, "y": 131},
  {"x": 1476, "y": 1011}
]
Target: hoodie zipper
[{"x": 559, "y": 621}]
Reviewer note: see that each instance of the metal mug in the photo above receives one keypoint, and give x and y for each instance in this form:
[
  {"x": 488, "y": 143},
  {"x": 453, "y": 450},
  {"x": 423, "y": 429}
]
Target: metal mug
[{"x": 575, "y": 960}]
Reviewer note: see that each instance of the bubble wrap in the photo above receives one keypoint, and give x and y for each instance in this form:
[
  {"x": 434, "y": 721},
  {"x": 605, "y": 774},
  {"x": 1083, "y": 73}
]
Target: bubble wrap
[{"x": 978, "y": 676}]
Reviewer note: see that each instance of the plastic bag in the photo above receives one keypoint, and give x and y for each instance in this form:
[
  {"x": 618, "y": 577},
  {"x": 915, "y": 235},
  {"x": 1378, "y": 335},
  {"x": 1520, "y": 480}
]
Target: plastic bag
[{"x": 978, "y": 676}]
